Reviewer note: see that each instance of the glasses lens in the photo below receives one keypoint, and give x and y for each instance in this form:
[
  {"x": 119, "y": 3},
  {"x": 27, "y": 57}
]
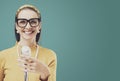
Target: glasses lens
[
  {"x": 34, "y": 22},
  {"x": 22, "y": 23}
]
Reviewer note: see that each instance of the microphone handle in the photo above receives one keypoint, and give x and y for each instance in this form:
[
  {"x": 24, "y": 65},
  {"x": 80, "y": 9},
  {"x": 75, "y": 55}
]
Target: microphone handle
[{"x": 25, "y": 76}]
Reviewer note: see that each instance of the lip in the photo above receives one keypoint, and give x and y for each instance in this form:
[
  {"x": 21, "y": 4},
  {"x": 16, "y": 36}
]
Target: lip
[{"x": 28, "y": 32}]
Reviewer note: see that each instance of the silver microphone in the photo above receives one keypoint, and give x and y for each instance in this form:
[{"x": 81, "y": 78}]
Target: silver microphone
[{"x": 26, "y": 51}]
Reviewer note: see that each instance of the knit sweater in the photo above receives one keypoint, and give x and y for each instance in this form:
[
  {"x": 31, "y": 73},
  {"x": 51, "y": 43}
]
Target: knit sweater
[{"x": 10, "y": 71}]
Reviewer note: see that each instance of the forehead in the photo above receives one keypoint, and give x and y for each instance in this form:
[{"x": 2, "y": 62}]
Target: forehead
[{"x": 27, "y": 14}]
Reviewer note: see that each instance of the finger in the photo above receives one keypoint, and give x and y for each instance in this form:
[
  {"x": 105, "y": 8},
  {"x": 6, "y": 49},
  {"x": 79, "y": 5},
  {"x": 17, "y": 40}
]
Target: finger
[
  {"x": 24, "y": 60},
  {"x": 21, "y": 61},
  {"x": 31, "y": 60},
  {"x": 33, "y": 64},
  {"x": 28, "y": 59},
  {"x": 24, "y": 67},
  {"x": 31, "y": 69},
  {"x": 23, "y": 57}
]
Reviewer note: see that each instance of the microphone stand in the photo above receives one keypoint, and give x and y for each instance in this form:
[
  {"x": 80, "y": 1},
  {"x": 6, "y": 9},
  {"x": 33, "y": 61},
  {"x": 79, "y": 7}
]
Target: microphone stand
[{"x": 25, "y": 76}]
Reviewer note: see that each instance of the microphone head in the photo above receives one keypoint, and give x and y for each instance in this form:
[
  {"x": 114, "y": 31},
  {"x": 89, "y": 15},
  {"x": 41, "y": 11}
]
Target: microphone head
[{"x": 26, "y": 51}]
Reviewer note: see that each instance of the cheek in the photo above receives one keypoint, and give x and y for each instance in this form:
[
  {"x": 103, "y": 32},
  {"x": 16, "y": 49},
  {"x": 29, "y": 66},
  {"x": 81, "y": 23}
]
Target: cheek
[
  {"x": 37, "y": 29},
  {"x": 20, "y": 30}
]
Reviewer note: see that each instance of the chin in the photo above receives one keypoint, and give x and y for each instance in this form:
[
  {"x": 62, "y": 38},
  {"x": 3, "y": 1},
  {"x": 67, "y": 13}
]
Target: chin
[{"x": 29, "y": 36}]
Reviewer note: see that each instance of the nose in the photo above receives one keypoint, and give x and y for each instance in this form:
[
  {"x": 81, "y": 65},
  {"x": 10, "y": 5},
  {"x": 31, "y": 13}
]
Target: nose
[{"x": 28, "y": 26}]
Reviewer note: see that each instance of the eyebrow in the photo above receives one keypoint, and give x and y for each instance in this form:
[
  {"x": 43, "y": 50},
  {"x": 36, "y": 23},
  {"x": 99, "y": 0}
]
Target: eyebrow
[{"x": 28, "y": 19}]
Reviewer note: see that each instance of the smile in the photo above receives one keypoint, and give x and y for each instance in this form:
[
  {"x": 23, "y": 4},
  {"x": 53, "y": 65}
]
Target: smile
[{"x": 28, "y": 32}]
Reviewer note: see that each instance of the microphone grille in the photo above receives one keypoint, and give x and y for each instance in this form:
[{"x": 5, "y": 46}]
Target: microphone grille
[{"x": 26, "y": 50}]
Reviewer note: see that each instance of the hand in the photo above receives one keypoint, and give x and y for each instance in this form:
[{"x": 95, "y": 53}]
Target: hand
[{"x": 34, "y": 65}]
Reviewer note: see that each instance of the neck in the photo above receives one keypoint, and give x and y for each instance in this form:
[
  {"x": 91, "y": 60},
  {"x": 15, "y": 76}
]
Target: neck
[{"x": 29, "y": 43}]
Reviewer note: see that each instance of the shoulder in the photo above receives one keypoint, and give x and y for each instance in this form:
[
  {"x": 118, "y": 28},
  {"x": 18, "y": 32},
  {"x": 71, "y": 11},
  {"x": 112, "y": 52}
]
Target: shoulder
[
  {"x": 4, "y": 54},
  {"x": 47, "y": 52},
  {"x": 7, "y": 51}
]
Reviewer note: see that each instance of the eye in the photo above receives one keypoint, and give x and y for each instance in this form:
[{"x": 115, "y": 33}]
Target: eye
[
  {"x": 33, "y": 21},
  {"x": 22, "y": 22}
]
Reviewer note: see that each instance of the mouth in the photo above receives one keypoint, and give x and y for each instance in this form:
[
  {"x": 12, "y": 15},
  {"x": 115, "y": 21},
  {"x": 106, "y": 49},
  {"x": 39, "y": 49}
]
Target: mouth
[{"x": 28, "y": 32}]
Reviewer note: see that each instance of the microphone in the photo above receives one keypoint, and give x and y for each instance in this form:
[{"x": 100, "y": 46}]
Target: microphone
[{"x": 26, "y": 51}]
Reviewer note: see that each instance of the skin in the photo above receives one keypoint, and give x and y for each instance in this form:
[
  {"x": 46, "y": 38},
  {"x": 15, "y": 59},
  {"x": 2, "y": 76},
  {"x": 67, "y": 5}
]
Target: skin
[{"x": 27, "y": 37}]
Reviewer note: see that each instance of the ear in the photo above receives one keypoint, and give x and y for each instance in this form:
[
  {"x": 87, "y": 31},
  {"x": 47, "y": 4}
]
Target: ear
[
  {"x": 40, "y": 25},
  {"x": 16, "y": 28},
  {"x": 39, "y": 28}
]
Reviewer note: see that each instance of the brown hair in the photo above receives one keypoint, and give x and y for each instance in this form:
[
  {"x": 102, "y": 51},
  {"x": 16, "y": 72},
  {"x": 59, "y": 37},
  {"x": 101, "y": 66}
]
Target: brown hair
[{"x": 31, "y": 7}]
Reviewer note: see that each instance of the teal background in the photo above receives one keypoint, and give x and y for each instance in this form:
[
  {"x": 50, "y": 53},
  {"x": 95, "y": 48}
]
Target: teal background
[{"x": 83, "y": 33}]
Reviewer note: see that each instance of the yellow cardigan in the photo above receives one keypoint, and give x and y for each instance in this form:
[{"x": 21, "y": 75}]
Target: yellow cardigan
[{"x": 10, "y": 71}]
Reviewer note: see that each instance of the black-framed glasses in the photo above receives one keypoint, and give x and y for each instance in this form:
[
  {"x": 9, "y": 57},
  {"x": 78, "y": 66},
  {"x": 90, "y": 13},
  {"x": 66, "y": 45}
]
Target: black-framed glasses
[{"x": 34, "y": 22}]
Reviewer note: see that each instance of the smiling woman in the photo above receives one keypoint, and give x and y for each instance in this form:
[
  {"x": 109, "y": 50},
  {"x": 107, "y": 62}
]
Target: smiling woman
[
  {"x": 41, "y": 66},
  {"x": 23, "y": 16}
]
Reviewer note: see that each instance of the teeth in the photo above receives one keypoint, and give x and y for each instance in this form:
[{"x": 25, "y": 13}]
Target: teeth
[{"x": 28, "y": 32}]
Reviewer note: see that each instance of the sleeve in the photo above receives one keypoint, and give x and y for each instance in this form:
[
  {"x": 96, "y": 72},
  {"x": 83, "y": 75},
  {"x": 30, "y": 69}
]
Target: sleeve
[
  {"x": 52, "y": 67},
  {"x": 2, "y": 63}
]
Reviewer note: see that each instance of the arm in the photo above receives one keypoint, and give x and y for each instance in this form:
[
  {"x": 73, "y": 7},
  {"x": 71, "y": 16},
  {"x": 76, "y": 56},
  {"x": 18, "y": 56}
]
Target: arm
[
  {"x": 1, "y": 68},
  {"x": 52, "y": 69},
  {"x": 1, "y": 74}
]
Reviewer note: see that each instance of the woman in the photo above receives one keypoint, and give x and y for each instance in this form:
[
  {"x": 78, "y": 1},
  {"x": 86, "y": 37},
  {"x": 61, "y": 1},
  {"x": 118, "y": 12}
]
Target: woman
[{"x": 41, "y": 66}]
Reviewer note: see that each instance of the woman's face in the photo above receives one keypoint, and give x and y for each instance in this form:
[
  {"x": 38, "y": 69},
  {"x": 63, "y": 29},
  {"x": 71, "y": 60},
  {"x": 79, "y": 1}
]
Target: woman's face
[{"x": 27, "y": 24}]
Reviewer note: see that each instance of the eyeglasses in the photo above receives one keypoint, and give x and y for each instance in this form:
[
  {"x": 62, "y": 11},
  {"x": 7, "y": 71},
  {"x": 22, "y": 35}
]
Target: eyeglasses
[{"x": 34, "y": 22}]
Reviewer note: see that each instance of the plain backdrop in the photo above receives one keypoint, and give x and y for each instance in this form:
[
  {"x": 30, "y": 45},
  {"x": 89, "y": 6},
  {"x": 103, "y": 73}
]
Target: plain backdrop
[{"x": 85, "y": 34}]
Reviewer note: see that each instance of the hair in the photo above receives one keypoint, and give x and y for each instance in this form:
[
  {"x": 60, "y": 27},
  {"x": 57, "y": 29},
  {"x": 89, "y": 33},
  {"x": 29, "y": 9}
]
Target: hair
[{"x": 31, "y": 7}]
